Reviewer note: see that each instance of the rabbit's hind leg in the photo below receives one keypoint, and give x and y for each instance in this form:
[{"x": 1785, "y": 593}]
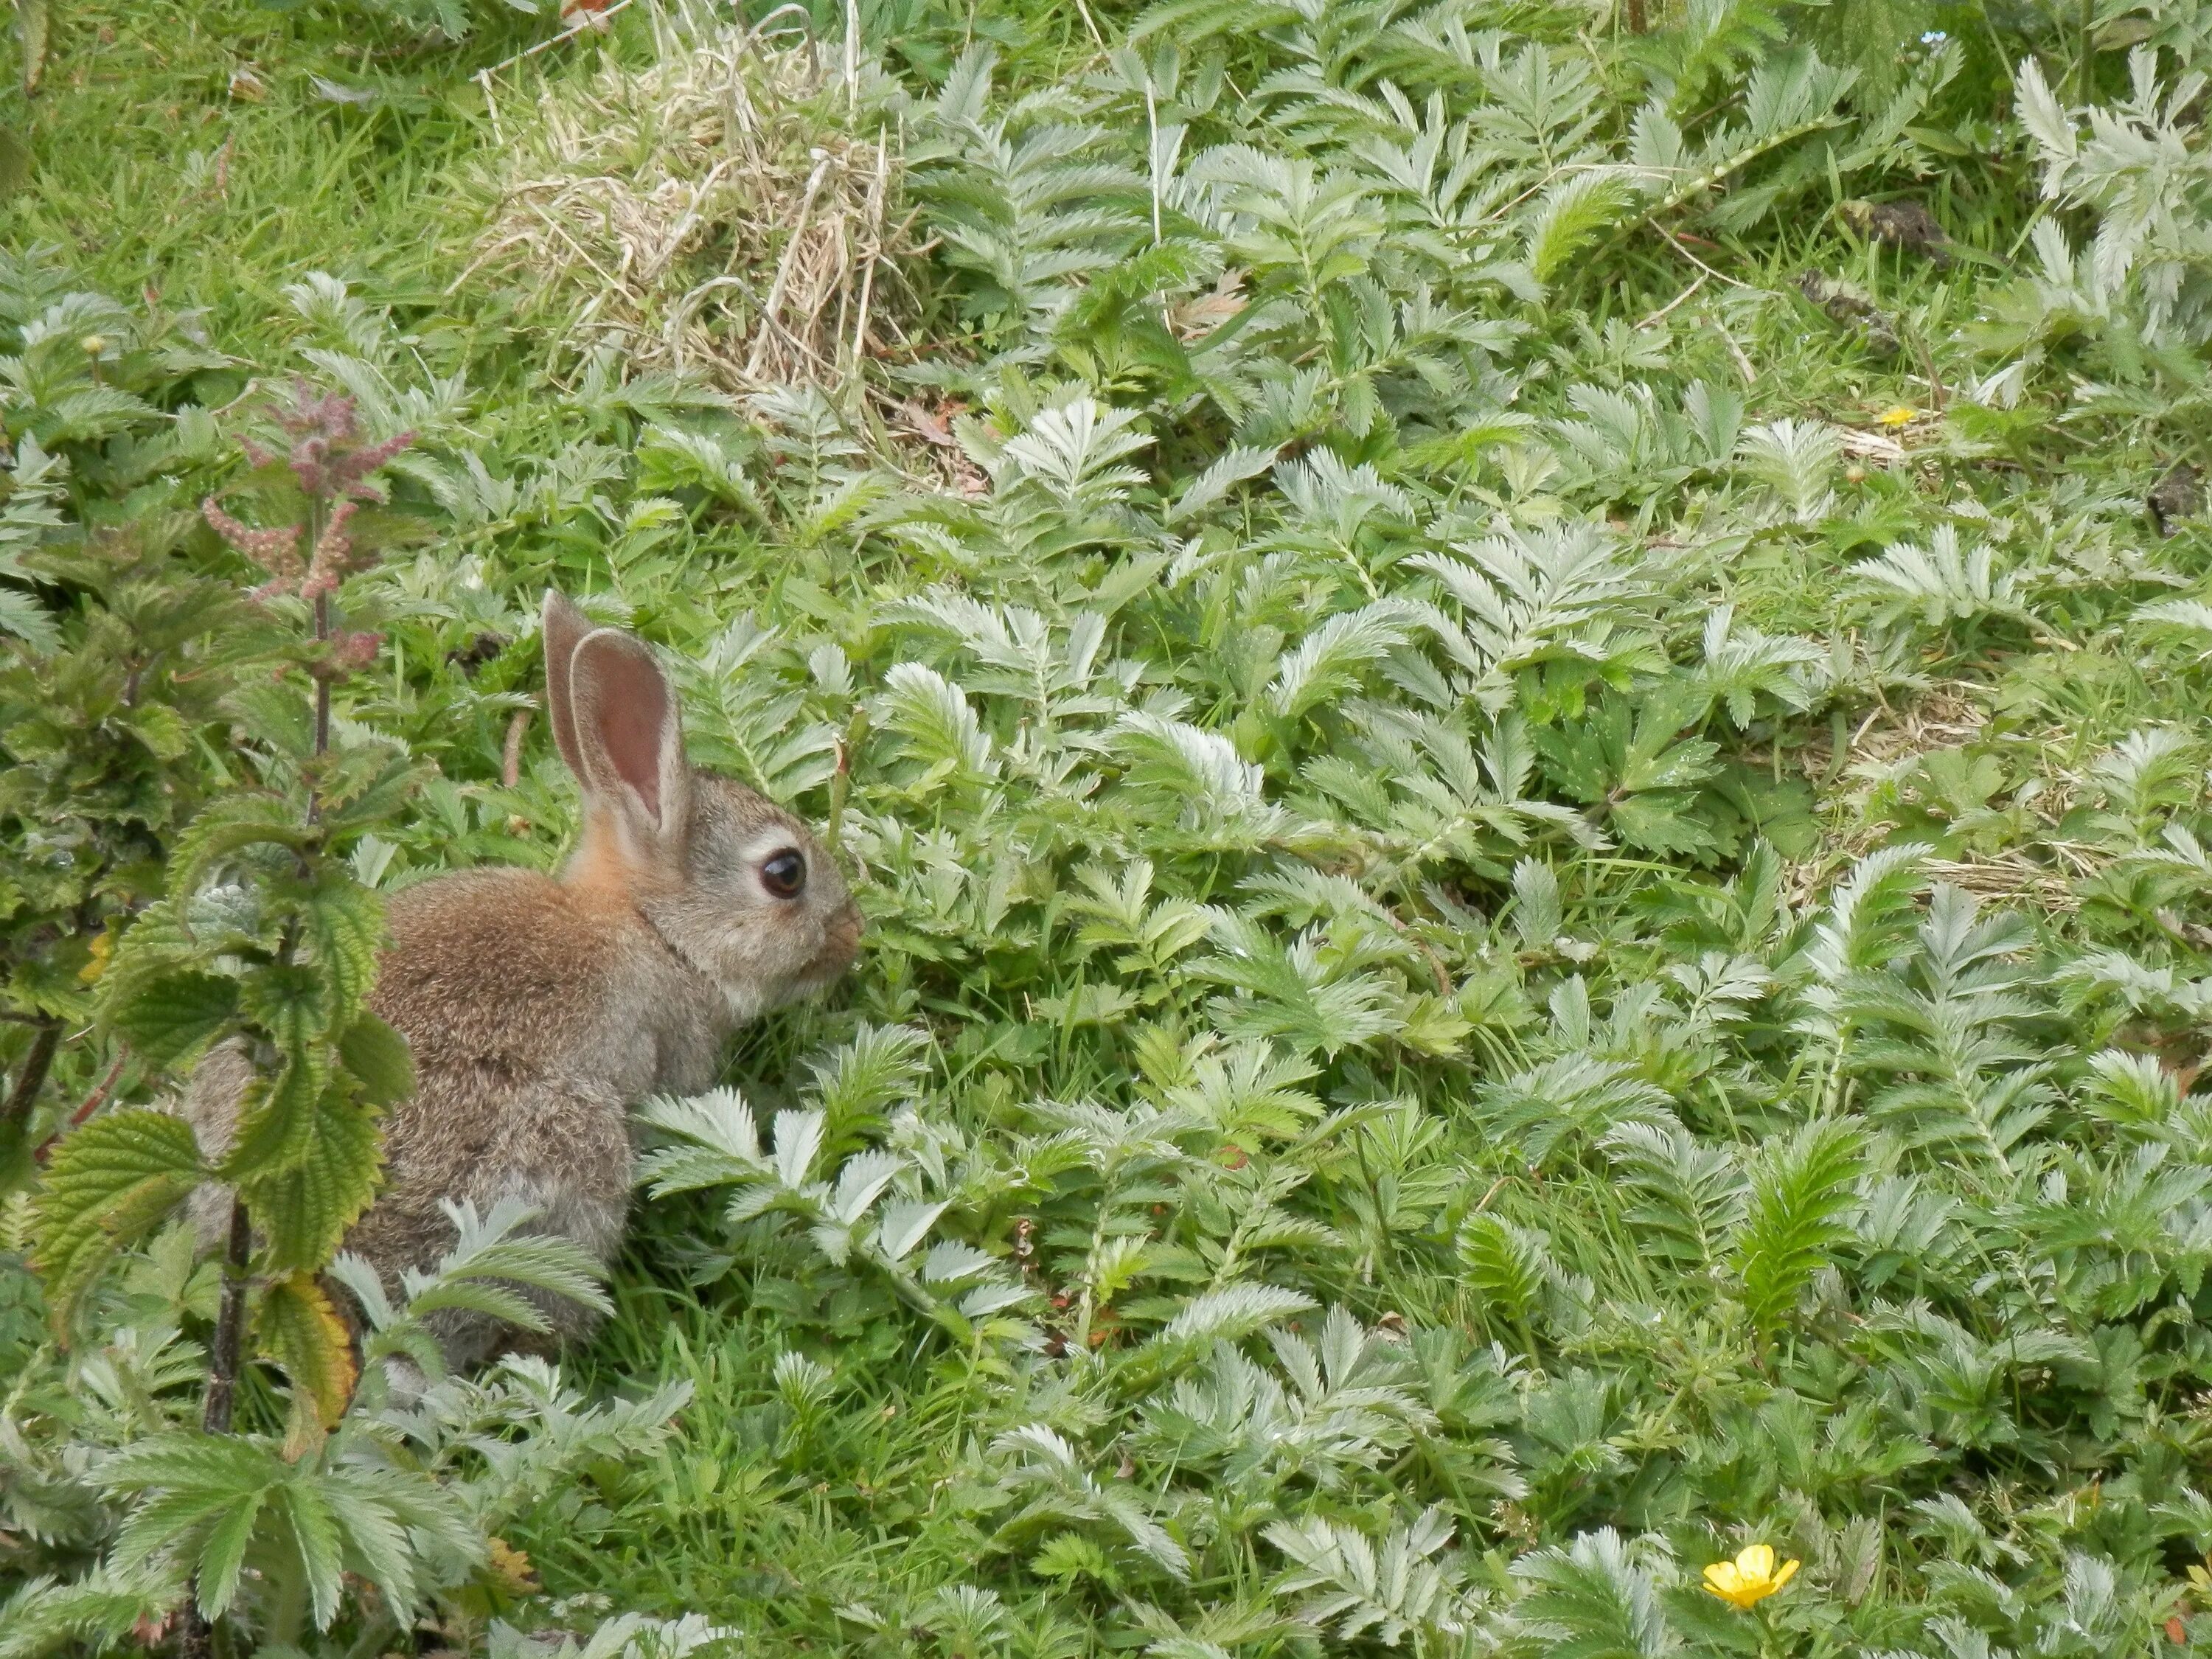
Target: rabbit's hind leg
[{"x": 588, "y": 1214}]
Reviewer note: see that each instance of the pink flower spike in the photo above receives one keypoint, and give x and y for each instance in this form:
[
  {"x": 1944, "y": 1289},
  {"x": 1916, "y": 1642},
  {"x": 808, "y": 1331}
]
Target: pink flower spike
[
  {"x": 275, "y": 551},
  {"x": 310, "y": 465},
  {"x": 332, "y": 548},
  {"x": 357, "y": 650},
  {"x": 347, "y": 654},
  {"x": 330, "y": 415},
  {"x": 352, "y": 470}
]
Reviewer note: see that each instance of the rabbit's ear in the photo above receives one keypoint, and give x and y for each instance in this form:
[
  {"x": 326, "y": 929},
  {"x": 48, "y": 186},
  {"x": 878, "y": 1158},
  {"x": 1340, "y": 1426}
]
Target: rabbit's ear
[
  {"x": 629, "y": 742},
  {"x": 564, "y": 627}
]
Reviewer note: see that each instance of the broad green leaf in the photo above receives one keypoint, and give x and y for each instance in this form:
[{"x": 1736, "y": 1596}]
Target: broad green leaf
[
  {"x": 328, "y": 1177},
  {"x": 166, "y": 1019},
  {"x": 345, "y": 924},
  {"x": 290, "y": 1001},
  {"x": 110, "y": 1182},
  {"x": 230, "y": 825},
  {"x": 379, "y": 1059}
]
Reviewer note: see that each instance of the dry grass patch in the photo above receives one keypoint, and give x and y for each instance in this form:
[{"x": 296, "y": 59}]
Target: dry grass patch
[
  {"x": 1886, "y": 745},
  {"x": 730, "y": 209}
]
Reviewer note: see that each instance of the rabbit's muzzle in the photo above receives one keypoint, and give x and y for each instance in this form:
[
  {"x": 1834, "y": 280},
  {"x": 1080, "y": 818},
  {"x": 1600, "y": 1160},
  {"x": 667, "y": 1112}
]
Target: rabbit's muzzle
[{"x": 840, "y": 943}]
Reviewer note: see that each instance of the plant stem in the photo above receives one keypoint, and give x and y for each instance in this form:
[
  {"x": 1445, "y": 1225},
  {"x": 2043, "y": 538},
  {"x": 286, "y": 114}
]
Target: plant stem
[
  {"x": 23, "y": 1098},
  {"x": 287, "y": 1606},
  {"x": 230, "y": 1325},
  {"x": 32, "y": 1076},
  {"x": 322, "y": 702},
  {"x": 92, "y": 1102}
]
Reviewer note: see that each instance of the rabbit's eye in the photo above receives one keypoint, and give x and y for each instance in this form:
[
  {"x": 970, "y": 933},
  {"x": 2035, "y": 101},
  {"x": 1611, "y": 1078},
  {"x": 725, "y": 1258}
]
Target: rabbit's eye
[{"x": 784, "y": 873}]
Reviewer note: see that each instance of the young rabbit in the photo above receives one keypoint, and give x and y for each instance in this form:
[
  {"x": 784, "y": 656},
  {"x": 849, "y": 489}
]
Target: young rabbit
[{"x": 539, "y": 1011}]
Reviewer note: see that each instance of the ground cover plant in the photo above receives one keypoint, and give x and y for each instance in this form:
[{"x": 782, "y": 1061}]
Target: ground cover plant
[{"x": 1516, "y": 694}]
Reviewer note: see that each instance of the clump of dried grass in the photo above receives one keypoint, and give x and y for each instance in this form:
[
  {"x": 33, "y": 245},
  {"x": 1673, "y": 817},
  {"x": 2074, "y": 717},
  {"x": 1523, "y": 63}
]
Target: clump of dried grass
[
  {"x": 730, "y": 209},
  {"x": 1887, "y": 742},
  {"x": 1945, "y": 713}
]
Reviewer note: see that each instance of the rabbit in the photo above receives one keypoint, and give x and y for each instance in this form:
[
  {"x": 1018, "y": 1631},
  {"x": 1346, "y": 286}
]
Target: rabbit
[{"x": 540, "y": 1010}]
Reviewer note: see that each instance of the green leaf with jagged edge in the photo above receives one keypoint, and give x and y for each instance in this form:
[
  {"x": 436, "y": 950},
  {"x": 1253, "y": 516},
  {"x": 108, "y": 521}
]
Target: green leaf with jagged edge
[
  {"x": 328, "y": 1161},
  {"x": 379, "y": 1060},
  {"x": 290, "y": 1001},
  {"x": 345, "y": 927},
  {"x": 275, "y": 1127},
  {"x": 300, "y": 1328},
  {"x": 184, "y": 933},
  {"x": 1508, "y": 1265},
  {"x": 20, "y": 613},
  {"x": 220, "y": 1502},
  {"x": 110, "y": 1182},
  {"x": 165, "y": 1019},
  {"x": 1626, "y": 762},
  {"x": 364, "y": 786},
  {"x": 1799, "y": 1195},
  {"x": 273, "y": 715},
  {"x": 228, "y": 826}
]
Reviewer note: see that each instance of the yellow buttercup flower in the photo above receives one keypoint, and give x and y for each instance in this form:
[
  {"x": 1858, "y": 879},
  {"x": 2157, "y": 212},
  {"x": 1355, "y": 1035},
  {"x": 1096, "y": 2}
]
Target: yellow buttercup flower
[
  {"x": 1752, "y": 1577},
  {"x": 1900, "y": 415}
]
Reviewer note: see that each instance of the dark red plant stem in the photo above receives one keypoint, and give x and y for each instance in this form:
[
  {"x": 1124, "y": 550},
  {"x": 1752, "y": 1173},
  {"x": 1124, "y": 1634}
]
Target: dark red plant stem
[
  {"x": 33, "y": 1075},
  {"x": 322, "y": 687},
  {"x": 92, "y": 1102},
  {"x": 230, "y": 1325}
]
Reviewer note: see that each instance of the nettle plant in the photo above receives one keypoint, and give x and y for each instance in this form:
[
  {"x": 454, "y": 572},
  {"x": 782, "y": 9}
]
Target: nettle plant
[
  {"x": 106, "y": 685},
  {"x": 257, "y": 1510}
]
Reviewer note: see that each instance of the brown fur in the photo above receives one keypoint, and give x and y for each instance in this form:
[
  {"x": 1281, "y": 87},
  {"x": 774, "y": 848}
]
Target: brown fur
[{"x": 539, "y": 1011}]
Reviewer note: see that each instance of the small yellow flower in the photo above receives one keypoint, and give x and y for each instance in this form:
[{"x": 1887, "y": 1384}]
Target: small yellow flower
[
  {"x": 1752, "y": 1577},
  {"x": 511, "y": 1568},
  {"x": 1899, "y": 416},
  {"x": 101, "y": 947},
  {"x": 93, "y": 344}
]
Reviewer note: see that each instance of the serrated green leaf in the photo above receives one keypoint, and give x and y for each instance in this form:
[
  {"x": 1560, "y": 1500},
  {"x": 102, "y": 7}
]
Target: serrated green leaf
[
  {"x": 301, "y": 1330},
  {"x": 345, "y": 925},
  {"x": 327, "y": 1158},
  {"x": 225, "y": 826},
  {"x": 275, "y": 1127},
  {"x": 366, "y": 786},
  {"x": 110, "y": 1182},
  {"x": 165, "y": 1019},
  {"x": 1799, "y": 1195},
  {"x": 290, "y": 1001}
]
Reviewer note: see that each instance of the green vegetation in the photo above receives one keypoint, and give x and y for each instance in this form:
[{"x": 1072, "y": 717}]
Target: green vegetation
[{"x": 1515, "y": 690}]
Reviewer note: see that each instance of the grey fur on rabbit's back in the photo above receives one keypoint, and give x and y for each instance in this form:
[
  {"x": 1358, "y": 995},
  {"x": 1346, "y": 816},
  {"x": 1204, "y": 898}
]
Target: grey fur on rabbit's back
[{"x": 539, "y": 1011}]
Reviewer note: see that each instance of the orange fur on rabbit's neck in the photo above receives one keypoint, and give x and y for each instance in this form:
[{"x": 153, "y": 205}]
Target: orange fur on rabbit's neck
[{"x": 603, "y": 870}]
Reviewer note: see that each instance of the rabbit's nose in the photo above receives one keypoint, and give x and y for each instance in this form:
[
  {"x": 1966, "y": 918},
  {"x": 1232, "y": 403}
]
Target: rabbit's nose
[{"x": 842, "y": 941}]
